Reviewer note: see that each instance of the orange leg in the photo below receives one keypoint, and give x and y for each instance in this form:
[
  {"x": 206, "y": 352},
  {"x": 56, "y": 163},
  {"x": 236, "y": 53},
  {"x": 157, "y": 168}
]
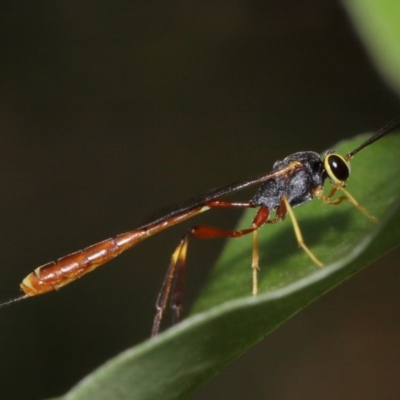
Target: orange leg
[{"x": 173, "y": 280}]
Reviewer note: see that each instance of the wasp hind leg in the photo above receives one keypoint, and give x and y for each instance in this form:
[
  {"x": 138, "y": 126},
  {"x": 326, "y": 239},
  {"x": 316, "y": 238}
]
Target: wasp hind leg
[{"x": 173, "y": 282}]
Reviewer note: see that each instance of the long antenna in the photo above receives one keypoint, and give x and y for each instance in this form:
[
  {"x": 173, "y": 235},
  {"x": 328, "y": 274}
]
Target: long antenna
[{"x": 389, "y": 127}]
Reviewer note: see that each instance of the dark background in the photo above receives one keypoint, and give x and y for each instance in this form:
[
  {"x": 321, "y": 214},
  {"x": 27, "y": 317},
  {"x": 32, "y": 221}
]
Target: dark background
[{"x": 110, "y": 111}]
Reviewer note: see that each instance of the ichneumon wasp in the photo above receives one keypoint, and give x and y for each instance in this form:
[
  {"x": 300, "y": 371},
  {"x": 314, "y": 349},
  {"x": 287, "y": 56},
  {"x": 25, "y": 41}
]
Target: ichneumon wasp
[{"x": 293, "y": 181}]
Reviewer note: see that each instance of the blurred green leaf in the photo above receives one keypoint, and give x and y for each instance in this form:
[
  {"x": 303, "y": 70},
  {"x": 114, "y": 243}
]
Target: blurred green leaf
[{"x": 377, "y": 22}]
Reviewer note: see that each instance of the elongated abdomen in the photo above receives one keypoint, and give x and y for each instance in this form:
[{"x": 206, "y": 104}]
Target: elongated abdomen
[{"x": 55, "y": 274}]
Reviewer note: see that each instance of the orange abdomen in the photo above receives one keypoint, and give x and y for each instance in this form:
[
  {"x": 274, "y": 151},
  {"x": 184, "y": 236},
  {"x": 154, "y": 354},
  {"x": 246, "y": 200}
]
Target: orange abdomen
[{"x": 55, "y": 274}]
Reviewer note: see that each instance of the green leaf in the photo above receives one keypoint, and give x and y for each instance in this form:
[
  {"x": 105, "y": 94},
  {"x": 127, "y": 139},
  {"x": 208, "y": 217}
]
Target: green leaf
[
  {"x": 377, "y": 22},
  {"x": 227, "y": 320}
]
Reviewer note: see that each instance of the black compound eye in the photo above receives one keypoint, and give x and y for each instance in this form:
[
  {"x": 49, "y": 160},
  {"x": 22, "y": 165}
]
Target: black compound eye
[{"x": 337, "y": 168}]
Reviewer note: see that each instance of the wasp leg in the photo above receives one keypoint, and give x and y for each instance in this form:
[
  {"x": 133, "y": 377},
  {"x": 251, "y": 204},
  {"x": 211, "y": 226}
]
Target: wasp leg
[
  {"x": 173, "y": 281},
  {"x": 177, "y": 260},
  {"x": 206, "y": 232},
  {"x": 348, "y": 197},
  {"x": 255, "y": 267},
  {"x": 297, "y": 232}
]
